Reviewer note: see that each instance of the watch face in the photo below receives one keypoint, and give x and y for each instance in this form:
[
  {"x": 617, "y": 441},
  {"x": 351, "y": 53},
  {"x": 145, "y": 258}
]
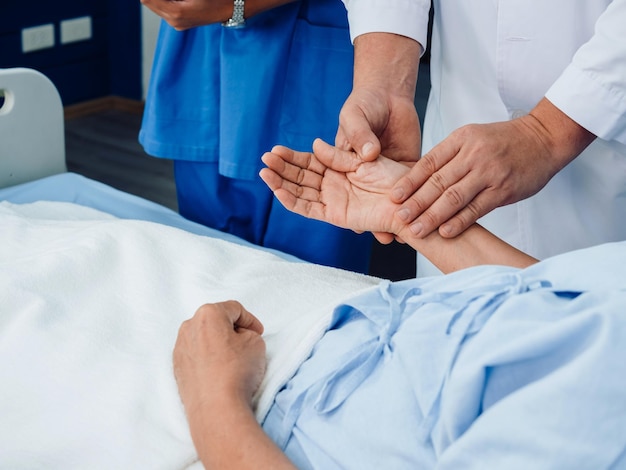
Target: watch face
[{"x": 232, "y": 23}]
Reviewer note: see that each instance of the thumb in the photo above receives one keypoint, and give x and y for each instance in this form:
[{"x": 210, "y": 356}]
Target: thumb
[
  {"x": 242, "y": 318},
  {"x": 343, "y": 161},
  {"x": 355, "y": 133}
]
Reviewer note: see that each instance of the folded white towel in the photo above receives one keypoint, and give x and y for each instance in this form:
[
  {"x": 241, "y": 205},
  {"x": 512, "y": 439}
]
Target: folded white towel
[{"x": 90, "y": 307}]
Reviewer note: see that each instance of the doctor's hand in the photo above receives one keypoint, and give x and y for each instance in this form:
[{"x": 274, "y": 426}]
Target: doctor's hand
[
  {"x": 186, "y": 14},
  {"x": 483, "y": 166},
  {"x": 374, "y": 121},
  {"x": 334, "y": 186},
  {"x": 219, "y": 353},
  {"x": 379, "y": 116}
]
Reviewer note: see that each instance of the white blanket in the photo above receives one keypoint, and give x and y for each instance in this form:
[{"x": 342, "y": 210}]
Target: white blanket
[{"x": 90, "y": 308}]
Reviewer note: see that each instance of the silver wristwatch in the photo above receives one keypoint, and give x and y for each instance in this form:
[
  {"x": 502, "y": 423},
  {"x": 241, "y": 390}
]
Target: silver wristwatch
[{"x": 237, "y": 20}]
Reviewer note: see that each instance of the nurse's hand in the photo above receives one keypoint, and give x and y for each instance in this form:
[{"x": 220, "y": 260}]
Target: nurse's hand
[
  {"x": 353, "y": 194},
  {"x": 483, "y": 166},
  {"x": 186, "y": 14}
]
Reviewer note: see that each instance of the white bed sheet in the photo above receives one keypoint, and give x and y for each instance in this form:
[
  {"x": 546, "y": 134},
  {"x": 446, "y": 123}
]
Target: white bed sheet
[
  {"x": 90, "y": 306},
  {"x": 71, "y": 187}
]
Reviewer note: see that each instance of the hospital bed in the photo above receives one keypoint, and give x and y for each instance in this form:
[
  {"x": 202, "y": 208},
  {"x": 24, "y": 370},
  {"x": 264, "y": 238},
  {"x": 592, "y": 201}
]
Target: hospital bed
[{"x": 94, "y": 284}]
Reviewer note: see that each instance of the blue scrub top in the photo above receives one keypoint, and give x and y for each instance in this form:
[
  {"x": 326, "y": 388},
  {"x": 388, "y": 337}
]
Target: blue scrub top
[{"x": 229, "y": 95}]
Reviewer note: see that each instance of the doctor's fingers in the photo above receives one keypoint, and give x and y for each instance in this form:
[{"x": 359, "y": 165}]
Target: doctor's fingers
[
  {"x": 355, "y": 132},
  {"x": 427, "y": 167},
  {"x": 335, "y": 158},
  {"x": 460, "y": 204},
  {"x": 482, "y": 204}
]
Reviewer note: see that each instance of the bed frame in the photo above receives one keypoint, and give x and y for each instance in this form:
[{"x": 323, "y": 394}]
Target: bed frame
[{"x": 32, "y": 141}]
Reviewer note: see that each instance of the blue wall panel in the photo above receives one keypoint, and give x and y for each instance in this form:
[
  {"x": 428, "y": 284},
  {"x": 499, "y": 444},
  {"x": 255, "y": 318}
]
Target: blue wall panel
[
  {"x": 107, "y": 64},
  {"x": 125, "y": 39}
]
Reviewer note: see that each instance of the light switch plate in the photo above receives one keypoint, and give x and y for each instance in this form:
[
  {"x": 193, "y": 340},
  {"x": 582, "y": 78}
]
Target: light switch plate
[
  {"x": 76, "y": 29},
  {"x": 37, "y": 37}
]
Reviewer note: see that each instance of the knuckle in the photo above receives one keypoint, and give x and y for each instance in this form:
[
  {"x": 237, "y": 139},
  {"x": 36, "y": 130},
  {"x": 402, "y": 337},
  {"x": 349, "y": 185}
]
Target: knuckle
[
  {"x": 438, "y": 181},
  {"x": 429, "y": 219},
  {"x": 415, "y": 207},
  {"x": 473, "y": 211},
  {"x": 300, "y": 176},
  {"x": 454, "y": 197},
  {"x": 429, "y": 163}
]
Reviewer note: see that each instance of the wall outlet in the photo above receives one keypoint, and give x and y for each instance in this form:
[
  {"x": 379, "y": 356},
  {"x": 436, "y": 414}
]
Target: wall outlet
[
  {"x": 37, "y": 37},
  {"x": 77, "y": 29}
]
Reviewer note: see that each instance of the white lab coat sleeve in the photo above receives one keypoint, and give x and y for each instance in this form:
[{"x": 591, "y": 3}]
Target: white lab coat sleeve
[
  {"x": 592, "y": 89},
  {"x": 404, "y": 17}
]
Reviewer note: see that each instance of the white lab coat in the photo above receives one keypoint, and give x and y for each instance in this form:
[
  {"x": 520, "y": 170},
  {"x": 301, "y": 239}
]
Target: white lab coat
[{"x": 493, "y": 60}]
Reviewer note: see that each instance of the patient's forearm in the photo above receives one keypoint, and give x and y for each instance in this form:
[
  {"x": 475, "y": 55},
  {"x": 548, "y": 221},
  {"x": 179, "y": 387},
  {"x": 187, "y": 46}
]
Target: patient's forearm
[
  {"x": 227, "y": 436},
  {"x": 475, "y": 246}
]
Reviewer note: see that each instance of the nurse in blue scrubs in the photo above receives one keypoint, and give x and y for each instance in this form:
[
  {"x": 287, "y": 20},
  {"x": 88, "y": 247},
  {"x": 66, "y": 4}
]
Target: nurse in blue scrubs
[{"x": 220, "y": 97}]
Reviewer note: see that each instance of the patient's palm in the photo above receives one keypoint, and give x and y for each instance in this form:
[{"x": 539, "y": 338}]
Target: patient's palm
[
  {"x": 359, "y": 200},
  {"x": 335, "y": 186}
]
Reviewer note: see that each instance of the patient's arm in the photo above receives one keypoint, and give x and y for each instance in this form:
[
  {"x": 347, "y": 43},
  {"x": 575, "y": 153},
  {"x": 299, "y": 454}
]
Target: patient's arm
[
  {"x": 219, "y": 362},
  {"x": 334, "y": 186}
]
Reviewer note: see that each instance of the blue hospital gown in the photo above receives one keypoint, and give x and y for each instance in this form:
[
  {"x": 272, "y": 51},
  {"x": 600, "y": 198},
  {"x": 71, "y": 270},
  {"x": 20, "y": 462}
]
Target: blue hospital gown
[{"x": 488, "y": 368}]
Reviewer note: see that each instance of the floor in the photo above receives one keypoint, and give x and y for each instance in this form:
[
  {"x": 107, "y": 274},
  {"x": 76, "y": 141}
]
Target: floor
[{"x": 103, "y": 146}]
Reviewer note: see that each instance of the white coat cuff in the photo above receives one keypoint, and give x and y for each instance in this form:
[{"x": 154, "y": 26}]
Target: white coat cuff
[
  {"x": 404, "y": 17},
  {"x": 584, "y": 98}
]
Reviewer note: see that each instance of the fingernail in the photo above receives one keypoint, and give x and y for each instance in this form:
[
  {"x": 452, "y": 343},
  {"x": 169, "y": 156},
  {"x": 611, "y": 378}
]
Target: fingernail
[
  {"x": 445, "y": 230},
  {"x": 398, "y": 194},
  {"x": 368, "y": 148},
  {"x": 403, "y": 213},
  {"x": 416, "y": 228}
]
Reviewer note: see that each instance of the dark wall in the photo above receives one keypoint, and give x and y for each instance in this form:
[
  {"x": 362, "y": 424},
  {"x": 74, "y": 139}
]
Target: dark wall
[{"x": 107, "y": 64}]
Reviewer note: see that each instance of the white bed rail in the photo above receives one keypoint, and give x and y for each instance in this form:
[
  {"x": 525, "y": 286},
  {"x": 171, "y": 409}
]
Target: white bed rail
[{"x": 32, "y": 141}]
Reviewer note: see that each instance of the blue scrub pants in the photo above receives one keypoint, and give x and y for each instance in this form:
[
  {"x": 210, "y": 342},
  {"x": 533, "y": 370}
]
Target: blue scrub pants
[{"x": 248, "y": 209}]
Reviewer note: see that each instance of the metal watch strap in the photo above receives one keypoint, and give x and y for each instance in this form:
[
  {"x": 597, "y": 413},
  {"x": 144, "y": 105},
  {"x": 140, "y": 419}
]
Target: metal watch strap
[{"x": 237, "y": 20}]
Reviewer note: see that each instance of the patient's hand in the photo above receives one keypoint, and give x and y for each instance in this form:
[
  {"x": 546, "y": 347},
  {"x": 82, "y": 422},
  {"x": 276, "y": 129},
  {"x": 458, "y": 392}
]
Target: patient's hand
[
  {"x": 219, "y": 352},
  {"x": 335, "y": 186},
  {"x": 219, "y": 362}
]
